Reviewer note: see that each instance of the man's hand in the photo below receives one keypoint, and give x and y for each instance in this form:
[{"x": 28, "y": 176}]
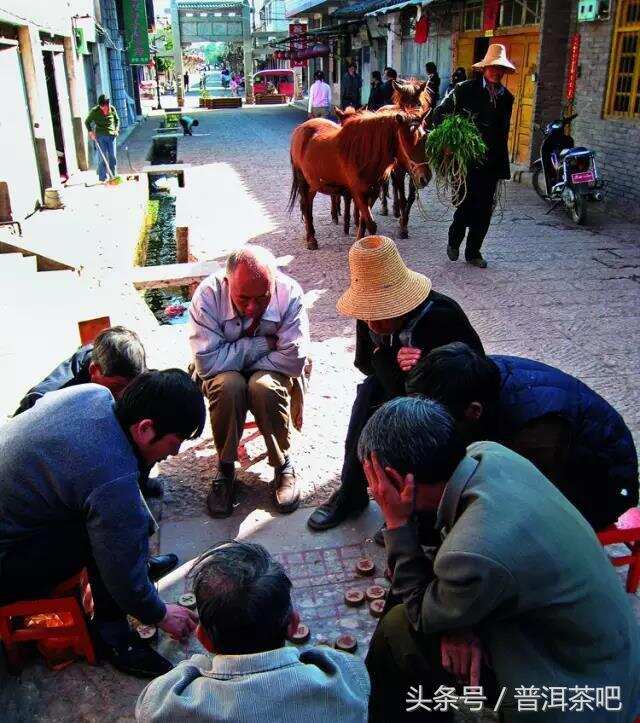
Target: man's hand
[
  {"x": 272, "y": 341},
  {"x": 393, "y": 493},
  {"x": 179, "y": 622},
  {"x": 92, "y": 135},
  {"x": 408, "y": 357},
  {"x": 462, "y": 656}
]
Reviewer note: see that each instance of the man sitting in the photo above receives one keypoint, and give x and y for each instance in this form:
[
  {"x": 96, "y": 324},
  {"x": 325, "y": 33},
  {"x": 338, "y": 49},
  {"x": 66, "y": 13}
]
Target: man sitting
[
  {"x": 572, "y": 435},
  {"x": 69, "y": 499},
  {"x": 244, "y": 604},
  {"x": 249, "y": 335},
  {"x": 113, "y": 360},
  {"x": 520, "y": 578},
  {"x": 400, "y": 319}
]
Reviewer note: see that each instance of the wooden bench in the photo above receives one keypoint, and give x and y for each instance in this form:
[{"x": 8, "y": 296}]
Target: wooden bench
[
  {"x": 232, "y": 102},
  {"x": 270, "y": 99}
]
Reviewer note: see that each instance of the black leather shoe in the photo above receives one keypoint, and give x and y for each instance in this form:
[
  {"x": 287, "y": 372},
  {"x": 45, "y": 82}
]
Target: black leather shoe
[
  {"x": 135, "y": 657},
  {"x": 152, "y": 487},
  {"x": 478, "y": 262},
  {"x": 378, "y": 538},
  {"x": 161, "y": 565},
  {"x": 453, "y": 253},
  {"x": 336, "y": 510},
  {"x": 220, "y": 497}
]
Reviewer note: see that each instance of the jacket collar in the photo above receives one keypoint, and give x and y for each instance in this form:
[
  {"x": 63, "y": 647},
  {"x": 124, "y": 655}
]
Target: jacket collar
[
  {"x": 232, "y": 665},
  {"x": 229, "y": 312},
  {"x": 448, "y": 508}
]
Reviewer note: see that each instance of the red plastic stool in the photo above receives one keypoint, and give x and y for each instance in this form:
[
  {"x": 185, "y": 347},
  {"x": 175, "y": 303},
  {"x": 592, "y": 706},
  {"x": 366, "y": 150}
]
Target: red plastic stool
[
  {"x": 626, "y": 531},
  {"x": 69, "y": 600}
]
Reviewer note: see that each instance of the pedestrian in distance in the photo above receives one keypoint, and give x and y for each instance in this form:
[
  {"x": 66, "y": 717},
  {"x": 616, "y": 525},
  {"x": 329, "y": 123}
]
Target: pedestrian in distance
[
  {"x": 103, "y": 125},
  {"x": 186, "y": 81},
  {"x": 351, "y": 88},
  {"x": 319, "y": 97},
  {"x": 487, "y": 102},
  {"x": 377, "y": 93},
  {"x": 390, "y": 76},
  {"x": 433, "y": 82}
]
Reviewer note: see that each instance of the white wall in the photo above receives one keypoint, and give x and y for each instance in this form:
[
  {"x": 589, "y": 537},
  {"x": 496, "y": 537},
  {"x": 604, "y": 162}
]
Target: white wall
[{"x": 49, "y": 15}]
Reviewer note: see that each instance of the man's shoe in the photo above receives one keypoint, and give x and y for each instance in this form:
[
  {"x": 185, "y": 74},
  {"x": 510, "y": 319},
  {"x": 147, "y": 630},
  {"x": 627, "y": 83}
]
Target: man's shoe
[
  {"x": 336, "y": 510},
  {"x": 286, "y": 490},
  {"x": 152, "y": 487},
  {"x": 478, "y": 262},
  {"x": 220, "y": 497},
  {"x": 135, "y": 657},
  {"x": 161, "y": 565},
  {"x": 453, "y": 253},
  {"x": 378, "y": 538}
]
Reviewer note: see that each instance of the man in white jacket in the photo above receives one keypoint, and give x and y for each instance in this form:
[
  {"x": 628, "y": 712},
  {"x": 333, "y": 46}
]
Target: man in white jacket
[{"x": 249, "y": 335}]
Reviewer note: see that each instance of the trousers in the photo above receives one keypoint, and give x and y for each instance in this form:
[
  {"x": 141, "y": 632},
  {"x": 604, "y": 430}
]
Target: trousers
[
  {"x": 267, "y": 395},
  {"x": 474, "y": 213},
  {"x": 108, "y": 147}
]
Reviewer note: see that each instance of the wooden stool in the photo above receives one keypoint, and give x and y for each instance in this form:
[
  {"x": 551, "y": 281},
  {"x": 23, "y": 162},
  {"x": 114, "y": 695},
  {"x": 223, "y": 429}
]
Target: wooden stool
[
  {"x": 69, "y": 600},
  {"x": 626, "y": 531}
]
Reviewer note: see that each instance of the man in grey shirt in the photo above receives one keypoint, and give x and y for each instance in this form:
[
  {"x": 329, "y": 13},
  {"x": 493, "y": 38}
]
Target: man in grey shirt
[
  {"x": 244, "y": 604},
  {"x": 70, "y": 499}
]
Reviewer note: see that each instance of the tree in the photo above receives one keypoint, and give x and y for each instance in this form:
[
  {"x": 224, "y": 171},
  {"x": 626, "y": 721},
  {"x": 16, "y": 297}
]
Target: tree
[{"x": 162, "y": 41}]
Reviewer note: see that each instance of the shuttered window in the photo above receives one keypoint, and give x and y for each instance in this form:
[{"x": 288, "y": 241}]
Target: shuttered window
[{"x": 623, "y": 97}]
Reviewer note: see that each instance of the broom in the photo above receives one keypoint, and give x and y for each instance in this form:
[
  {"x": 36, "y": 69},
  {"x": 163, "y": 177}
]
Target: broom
[{"x": 112, "y": 180}]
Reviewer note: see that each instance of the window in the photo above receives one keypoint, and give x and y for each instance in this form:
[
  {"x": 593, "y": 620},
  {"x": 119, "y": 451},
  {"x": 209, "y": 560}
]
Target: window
[
  {"x": 624, "y": 82},
  {"x": 519, "y": 12},
  {"x": 473, "y": 15}
]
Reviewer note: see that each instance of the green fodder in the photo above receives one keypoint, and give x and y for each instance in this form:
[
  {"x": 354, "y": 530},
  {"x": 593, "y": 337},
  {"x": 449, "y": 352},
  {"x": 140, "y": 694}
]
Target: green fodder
[
  {"x": 451, "y": 149},
  {"x": 150, "y": 220}
]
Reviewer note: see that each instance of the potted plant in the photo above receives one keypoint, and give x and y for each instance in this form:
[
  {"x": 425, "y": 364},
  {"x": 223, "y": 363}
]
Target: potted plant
[{"x": 204, "y": 97}]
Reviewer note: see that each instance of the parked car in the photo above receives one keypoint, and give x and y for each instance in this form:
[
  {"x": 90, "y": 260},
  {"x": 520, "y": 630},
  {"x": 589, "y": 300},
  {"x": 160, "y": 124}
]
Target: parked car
[{"x": 281, "y": 78}]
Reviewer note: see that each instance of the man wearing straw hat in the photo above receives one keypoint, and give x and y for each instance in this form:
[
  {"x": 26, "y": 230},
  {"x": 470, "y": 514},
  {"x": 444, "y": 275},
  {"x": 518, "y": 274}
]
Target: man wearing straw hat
[
  {"x": 400, "y": 319},
  {"x": 488, "y": 104}
]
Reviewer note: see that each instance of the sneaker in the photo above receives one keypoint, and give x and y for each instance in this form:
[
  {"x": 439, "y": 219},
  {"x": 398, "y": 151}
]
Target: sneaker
[
  {"x": 220, "y": 497},
  {"x": 478, "y": 262},
  {"x": 453, "y": 253},
  {"x": 336, "y": 510},
  {"x": 135, "y": 657}
]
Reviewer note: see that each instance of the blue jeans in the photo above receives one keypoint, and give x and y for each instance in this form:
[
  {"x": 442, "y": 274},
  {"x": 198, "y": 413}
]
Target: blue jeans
[{"x": 108, "y": 146}]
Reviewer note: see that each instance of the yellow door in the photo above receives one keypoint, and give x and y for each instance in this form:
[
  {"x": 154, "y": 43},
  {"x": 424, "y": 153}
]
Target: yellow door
[{"x": 465, "y": 54}]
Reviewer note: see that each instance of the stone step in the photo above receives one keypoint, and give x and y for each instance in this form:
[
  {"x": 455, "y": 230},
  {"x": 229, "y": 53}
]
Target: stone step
[
  {"x": 12, "y": 264},
  {"x": 156, "y": 277}
]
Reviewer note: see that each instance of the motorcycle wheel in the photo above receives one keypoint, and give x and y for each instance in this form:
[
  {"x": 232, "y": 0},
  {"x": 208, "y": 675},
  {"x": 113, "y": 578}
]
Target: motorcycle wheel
[
  {"x": 579, "y": 209},
  {"x": 537, "y": 180}
]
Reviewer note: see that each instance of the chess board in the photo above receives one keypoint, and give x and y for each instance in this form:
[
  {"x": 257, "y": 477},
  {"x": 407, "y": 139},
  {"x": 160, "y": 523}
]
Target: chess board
[{"x": 320, "y": 578}]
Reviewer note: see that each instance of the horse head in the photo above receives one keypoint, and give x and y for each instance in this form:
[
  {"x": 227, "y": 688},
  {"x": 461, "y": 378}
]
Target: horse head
[
  {"x": 411, "y": 95},
  {"x": 344, "y": 115},
  {"x": 411, "y": 152}
]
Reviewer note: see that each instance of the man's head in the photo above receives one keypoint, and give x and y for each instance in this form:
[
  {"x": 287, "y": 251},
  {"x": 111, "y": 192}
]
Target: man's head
[
  {"x": 251, "y": 273},
  {"x": 376, "y": 77},
  {"x": 351, "y": 68},
  {"x": 319, "y": 75},
  {"x": 494, "y": 73},
  {"x": 413, "y": 435},
  {"x": 117, "y": 358},
  {"x": 431, "y": 68},
  {"x": 160, "y": 410},
  {"x": 466, "y": 382},
  {"x": 243, "y": 598},
  {"x": 104, "y": 103},
  {"x": 390, "y": 74}
]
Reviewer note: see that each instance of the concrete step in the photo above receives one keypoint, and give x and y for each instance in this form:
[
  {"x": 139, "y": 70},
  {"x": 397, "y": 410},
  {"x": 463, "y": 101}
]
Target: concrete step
[
  {"x": 156, "y": 277},
  {"x": 12, "y": 264}
]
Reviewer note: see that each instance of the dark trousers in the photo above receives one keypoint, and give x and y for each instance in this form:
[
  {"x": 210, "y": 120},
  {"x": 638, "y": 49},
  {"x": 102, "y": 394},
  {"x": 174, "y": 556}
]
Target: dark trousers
[
  {"x": 399, "y": 659},
  {"x": 369, "y": 396},
  {"x": 474, "y": 213},
  {"x": 35, "y": 566}
]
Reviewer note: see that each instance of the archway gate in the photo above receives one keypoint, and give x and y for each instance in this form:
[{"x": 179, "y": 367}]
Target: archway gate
[{"x": 211, "y": 21}]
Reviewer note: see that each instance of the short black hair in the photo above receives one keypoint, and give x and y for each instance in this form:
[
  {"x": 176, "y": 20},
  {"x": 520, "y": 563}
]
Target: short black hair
[
  {"x": 376, "y": 74},
  {"x": 169, "y": 398},
  {"x": 243, "y": 598},
  {"x": 431, "y": 67},
  {"x": 119, "y": 353},
  {"x": 393, "y": 74},
  {"x": 103, "y": 100},
  {"x": 456, "y": 375},
  {"x": 318, "y": 75},
  {"x": 413, "y": 435}
]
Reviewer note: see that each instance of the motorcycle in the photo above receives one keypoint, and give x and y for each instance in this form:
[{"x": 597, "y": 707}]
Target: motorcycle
[{"x": 565, "y": 173}]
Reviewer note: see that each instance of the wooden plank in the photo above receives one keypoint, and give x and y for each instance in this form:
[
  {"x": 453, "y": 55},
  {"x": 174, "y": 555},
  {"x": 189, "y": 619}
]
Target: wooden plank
[
  {"x": 165, "y": 168},
  {"x": 156, "y": 277}
]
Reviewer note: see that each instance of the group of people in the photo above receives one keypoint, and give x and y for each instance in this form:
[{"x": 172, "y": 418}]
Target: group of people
[{"x": 491, "y": 472}]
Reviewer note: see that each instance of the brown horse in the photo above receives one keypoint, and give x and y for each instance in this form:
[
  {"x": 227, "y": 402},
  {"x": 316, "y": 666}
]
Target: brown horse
[{"x": 355, "y": 157}]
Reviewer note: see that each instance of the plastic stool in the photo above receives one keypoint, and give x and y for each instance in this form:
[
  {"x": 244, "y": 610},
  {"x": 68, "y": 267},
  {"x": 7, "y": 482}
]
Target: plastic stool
[
  {"x": 70, "y": 599},
  {"x": 626, "y": 531}
]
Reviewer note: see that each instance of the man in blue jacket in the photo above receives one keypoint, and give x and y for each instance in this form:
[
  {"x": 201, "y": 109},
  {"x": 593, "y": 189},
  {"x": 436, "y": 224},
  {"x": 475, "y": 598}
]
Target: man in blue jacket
[
  {"x": 70, "y": 499},
  {"x": 575, "y": 437}
]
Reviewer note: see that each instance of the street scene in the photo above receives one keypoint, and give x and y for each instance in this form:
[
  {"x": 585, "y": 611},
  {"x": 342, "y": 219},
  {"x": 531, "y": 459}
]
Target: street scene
[{"x": 341, "y": 303}]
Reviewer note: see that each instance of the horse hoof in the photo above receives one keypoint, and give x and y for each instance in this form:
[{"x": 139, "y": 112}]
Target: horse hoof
[
  {"x": 312, "y": 245},
  {"x": 403, "y": 233}
]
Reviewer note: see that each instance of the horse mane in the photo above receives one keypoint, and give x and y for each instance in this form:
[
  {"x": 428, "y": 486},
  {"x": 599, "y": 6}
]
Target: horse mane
[
  {"x": 411, "y": 96},
  {"x": 369, "y": 142}
]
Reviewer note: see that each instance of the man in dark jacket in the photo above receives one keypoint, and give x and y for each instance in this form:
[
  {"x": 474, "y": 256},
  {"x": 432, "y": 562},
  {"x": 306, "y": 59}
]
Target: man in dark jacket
[
  {"x": 569, "y": 432},
  {"x": 377, "y": 94},
  {"x": 69, "y": 499},
  {"x": 488, "y": 104},
  {"x": 350, "y": 88},
  {"x": 390, "y": 76},
  {"x": 400, "y": 319},
  {"x": 113, "y": 360}
]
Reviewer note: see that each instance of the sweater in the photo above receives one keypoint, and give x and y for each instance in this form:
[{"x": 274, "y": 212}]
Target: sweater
[
  {"x": 68, "y": 461},
  {"x": 105, "y": 125}
]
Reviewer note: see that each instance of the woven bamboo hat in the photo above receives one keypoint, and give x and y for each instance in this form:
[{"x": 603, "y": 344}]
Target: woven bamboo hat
[
  {"x": 382, "y": 287},
  {"x": 496, "y": 55}
]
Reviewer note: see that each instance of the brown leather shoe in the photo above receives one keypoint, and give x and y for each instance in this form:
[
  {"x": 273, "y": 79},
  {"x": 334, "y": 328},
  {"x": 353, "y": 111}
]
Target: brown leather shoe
[
  {"x": 220, "y": 497},
  {"x": 286, "y": 490}
]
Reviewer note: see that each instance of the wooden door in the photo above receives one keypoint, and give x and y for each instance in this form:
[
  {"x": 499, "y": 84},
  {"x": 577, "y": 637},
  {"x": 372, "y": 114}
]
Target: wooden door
[{"x": 465, "y": 54}]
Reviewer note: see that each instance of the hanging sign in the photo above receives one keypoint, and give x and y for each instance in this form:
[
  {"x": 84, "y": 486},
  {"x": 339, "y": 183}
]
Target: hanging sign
[
  {"x": 136, "y": 34},
  {"x": 574, "y": 57},
  {"x": 297, "y": 46}
]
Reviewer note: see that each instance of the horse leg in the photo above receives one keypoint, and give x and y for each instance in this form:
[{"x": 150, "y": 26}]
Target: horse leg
[
  {"x": 404, "y": 220},
  {"x": 346, "y": 221},
  {"x": 366, "y": 219},
  {"x": 306, "y": 206},
  {"x": 402, "y": 203},
  {"x": 335, "y": 208},
  {"x": 384, "y": 194},
  {"x": 396, "y": 180}
]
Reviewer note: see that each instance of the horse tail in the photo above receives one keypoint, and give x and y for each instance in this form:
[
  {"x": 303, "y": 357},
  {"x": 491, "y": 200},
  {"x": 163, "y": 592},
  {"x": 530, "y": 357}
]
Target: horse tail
[{"x": 295, "y": 188}]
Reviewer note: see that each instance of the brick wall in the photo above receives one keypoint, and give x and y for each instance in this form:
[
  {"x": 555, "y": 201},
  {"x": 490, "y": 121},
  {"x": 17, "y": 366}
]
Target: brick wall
[{"x": 616, "y": 141}]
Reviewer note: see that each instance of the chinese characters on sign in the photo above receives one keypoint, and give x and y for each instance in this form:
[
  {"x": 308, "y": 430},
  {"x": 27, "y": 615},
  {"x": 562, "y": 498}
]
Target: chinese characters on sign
[
  {"x": 297, "y": 45},
  {"x": 574, "y": 699},
  {"x": 574, "y": 56},
  {"x": 135, "y": 32}
]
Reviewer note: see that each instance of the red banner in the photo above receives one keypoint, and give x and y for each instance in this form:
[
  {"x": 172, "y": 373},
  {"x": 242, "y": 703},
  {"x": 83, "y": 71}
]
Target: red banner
[
  {"x": 491, "y": 12},
  {"x": 574, "y": 57},
  {"x": 296, "y": 46}
]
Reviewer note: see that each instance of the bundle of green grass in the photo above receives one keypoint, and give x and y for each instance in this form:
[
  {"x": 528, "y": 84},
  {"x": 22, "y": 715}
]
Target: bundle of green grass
[{"x": 451, "y": 149}]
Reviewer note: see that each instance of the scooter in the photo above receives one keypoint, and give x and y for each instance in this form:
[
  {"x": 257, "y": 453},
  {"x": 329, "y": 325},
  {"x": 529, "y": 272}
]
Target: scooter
[{"x": 565, "y": 173}]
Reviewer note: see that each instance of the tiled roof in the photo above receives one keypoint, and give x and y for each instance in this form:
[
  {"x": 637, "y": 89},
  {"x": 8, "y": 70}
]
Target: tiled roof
[{"x": 359, "y": 9}]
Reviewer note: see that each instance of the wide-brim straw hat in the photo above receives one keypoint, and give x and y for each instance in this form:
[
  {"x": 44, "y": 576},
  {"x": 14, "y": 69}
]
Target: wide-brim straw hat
[
  {"x": 382, "y": 287},
  {"x": 496, "y": 55}
]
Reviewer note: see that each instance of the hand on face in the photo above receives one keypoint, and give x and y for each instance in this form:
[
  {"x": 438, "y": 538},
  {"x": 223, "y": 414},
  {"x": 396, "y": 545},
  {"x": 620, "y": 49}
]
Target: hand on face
[
  {"x": 408, "y": 357},
  {"x": 391, "y": 491},
  {"x": 462, "y": 656}
]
